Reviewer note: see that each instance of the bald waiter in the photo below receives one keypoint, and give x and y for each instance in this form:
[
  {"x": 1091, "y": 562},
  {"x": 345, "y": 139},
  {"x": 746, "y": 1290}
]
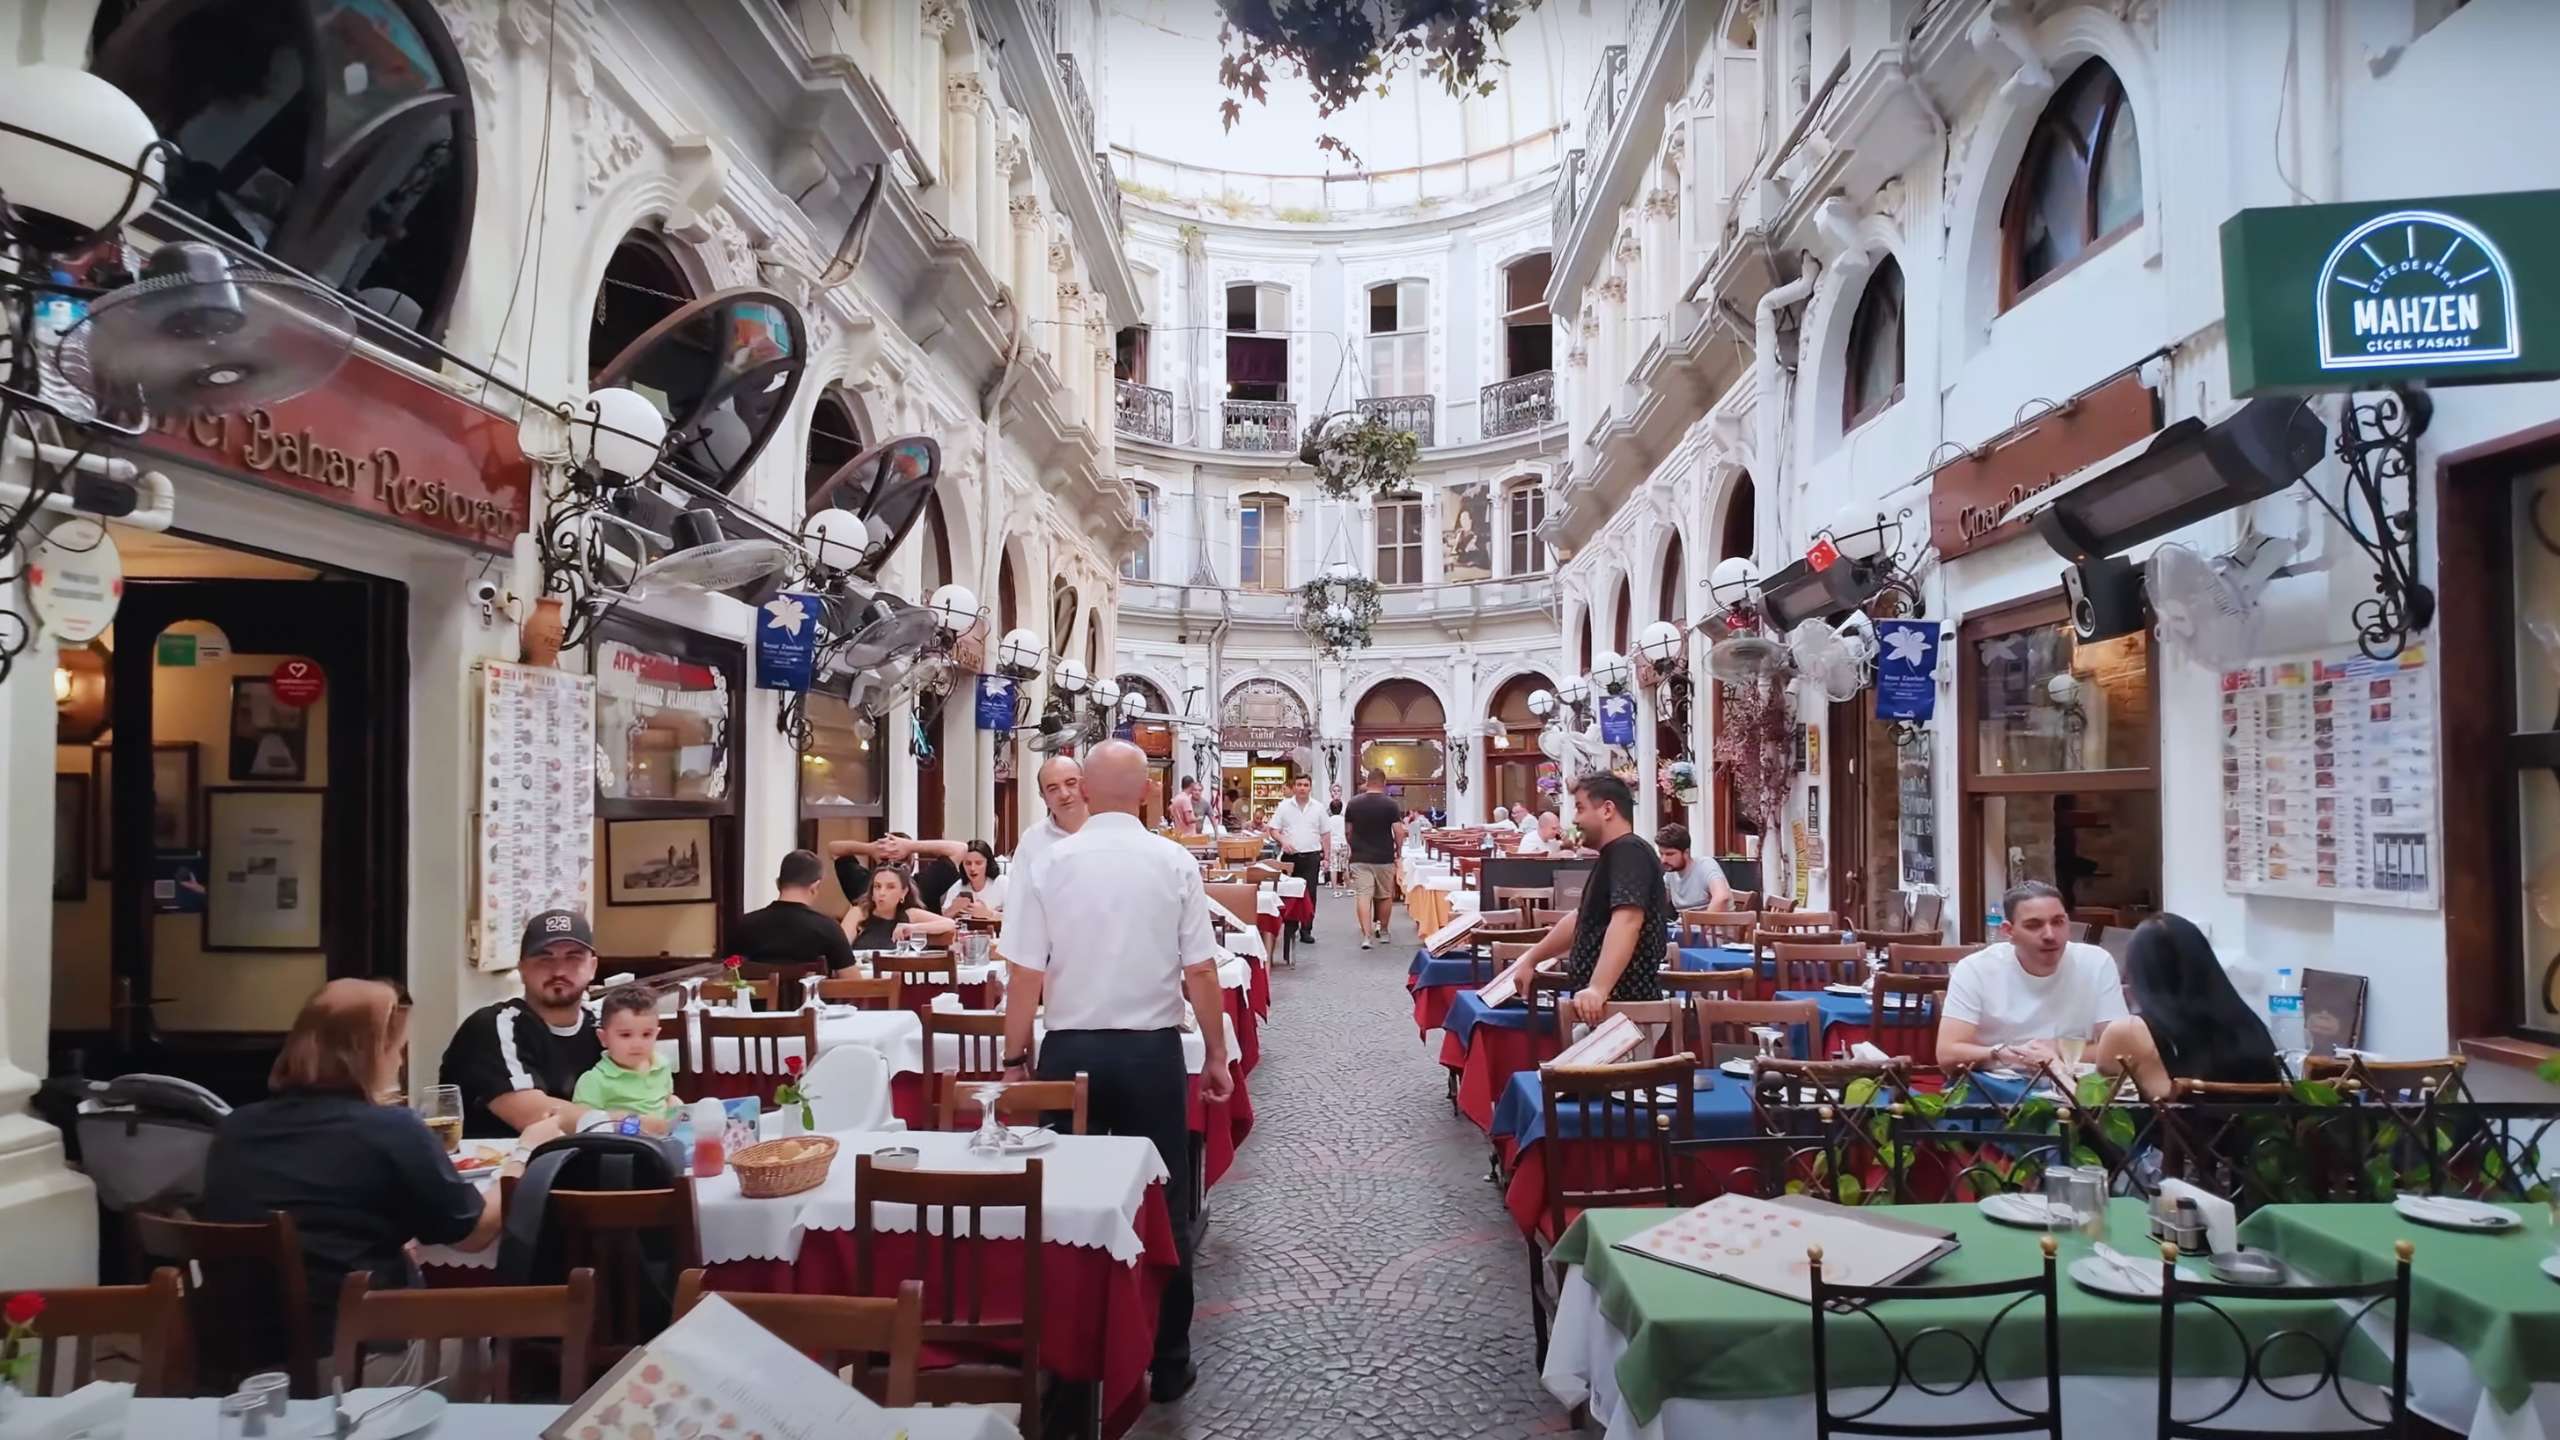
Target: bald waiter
[{"x": 1110, "y": 927}]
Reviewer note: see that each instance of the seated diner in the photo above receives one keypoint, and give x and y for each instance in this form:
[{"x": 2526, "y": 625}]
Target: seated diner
[
  {"x": 2190, "y": 1023},
  {"x": 2033, "y": 998}
]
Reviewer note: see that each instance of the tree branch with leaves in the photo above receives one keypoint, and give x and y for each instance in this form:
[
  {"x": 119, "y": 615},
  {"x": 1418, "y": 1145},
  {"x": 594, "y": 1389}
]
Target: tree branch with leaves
[{"x": 1345, "y": 49}]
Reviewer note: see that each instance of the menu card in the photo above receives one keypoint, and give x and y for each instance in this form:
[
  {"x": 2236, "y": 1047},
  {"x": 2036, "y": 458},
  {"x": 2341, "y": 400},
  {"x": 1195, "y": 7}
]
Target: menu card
[
  {"x": 1609, "y": 1042},
  {"x": 1446, "y": 938},
  {"x": 1500, "y": 990},
  {"x": 1763, "y": 1244},
  {"x": 716, "y": 1374}
]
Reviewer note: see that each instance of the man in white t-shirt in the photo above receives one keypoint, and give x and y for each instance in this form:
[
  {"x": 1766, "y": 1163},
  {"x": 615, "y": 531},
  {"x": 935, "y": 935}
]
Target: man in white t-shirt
[
  {"x": 1298, "y": 824},
  {"x": 1501, "y": 819},
  {"x": 2008, "y": 1003}
]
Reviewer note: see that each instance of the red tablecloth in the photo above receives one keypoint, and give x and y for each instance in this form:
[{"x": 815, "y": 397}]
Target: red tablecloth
[
  {"x": 1097, "y": 1316},
  {"x": 1233, "y": 1117},
  {"x": 1494, "y": 1054},
  {"x": 1708, "y": 1171},
  {"x": 1840, "y": 1033},
  {"x": 1431, "y": 1006},
  {"x": 1239, "y": 1008},
  {"x": 1261, "y": 988}
]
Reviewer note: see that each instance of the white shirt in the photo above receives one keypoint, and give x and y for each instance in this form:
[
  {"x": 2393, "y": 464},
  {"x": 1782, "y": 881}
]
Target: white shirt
[
  {"x": 1531, "y": 842},
  {"x": 1499, "y": 823},
  {"x": 1035, "y": 840},
  {"x": 1336, "y": 828},
  {"x": 2008, "y": 1006},
  {"x": 1112, "y": 915},
  {"x": 992, "y": 897},
  {"x": 1300, "y": 825}
]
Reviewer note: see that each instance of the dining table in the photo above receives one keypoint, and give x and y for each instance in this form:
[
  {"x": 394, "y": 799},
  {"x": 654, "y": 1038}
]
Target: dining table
[
  {"x": 199, "y": 1419},
  {"x": 1849, "y": 1020},
  {"x": 897, "y": 1035},
  {"x": 1661, "y": 1352}
]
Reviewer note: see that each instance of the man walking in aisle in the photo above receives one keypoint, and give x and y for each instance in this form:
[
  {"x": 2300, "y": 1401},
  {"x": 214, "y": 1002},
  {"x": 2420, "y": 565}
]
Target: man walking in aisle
[
  {"x": 1111, "y": 928},
  {"x": 1298, "y": 824},
  {"x": 1376, "y": 827}
]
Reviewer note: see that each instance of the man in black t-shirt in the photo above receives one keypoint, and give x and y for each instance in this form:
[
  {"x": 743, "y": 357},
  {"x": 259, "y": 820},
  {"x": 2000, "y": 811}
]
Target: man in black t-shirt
[
  {"x": 1374, "y": 826},
  {"x": 788, "y": 939},
  {"x": 517, "y": 1061},
  {"x": 1614, "y": 941}
]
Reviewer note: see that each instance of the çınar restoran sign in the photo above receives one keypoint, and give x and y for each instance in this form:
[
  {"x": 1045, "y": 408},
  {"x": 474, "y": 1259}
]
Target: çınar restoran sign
[{"x": 2450, "y": 291}]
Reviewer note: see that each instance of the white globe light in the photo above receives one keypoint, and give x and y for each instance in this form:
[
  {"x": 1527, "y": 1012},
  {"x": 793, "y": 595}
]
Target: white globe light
[
  {"x": 1070, "y": 677},
  {"x": 84, "y": 110},
  {"x": 955, "y": 608},
  {"x": 1734, "y": 579},
  {"x": 1541, "y": 704},
  {"x": 624, "y": 432},
  {"x": 1105, "y": 695},
  {"x": 1611, "y": 671},
  {"x": 1575, "y": 691},
  {"x": 836, "y": 539},
  {"x": 1660, "y": 642},
  {"x": 1858, "y": 533},
  {"x": 1020, "y": 651},
  {"x": 2064, "y": 689}
]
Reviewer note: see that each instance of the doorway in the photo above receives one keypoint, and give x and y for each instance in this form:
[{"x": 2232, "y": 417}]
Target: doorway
[
  {"x": 231, "y": 781},
  {"x": 1866, "y": 814}
]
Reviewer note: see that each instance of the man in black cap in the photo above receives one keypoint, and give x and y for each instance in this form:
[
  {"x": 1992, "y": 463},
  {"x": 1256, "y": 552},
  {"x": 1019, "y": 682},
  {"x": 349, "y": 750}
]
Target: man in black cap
[{"x": 517, "y": 1061}]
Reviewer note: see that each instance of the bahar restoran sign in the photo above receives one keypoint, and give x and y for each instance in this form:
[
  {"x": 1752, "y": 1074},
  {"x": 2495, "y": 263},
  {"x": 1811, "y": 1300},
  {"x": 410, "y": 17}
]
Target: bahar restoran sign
[{"x": 2454, "y": 291}]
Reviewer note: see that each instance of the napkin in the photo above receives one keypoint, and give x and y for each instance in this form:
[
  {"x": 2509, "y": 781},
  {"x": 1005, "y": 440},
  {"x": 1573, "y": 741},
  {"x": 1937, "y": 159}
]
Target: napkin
[
  {"x": 2221, "y": 1224},
  {"x": 1866, "y": 1050},
  {"x": 97, "y": 1409}
]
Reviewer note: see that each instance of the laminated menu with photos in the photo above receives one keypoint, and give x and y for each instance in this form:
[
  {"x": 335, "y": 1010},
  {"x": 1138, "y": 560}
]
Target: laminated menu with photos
[
  {"x": 1606, "y": 1043},
  {"x": 1762, "y": 1244},
  {"x": 717, "y": 1375},
  {"x": 1445, "y": 939}
]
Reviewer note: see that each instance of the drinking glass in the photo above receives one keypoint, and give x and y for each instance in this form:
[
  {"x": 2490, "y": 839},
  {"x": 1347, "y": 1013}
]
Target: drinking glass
[
  {"x": 2069, "y": 1049},
  {"x": 272, "y": 1387},
  {"x": 991, "y": 1133},
  {"x": 240, "y": 1416},
  {"x": 2089, "y": 1202},
  {"x": 441, "y": 1107}
]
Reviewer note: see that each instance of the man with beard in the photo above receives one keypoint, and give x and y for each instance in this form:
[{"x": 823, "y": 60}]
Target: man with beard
[{"x": 517, "y": 1062}]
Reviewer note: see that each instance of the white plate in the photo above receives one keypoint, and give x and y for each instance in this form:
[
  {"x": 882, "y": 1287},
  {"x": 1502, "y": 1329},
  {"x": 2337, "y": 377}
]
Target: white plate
[
  {"x": 1666, "y": 1092},
  {"x": 2029, "y": 1212},
  {"x": 2551, "y": 1266},
  {"x": 1023, "y": 1142},
  {"x": 2455, "y": 1214},
  {"x": 1845, "y": 989},
  {"x": 402, "y": 1417},
  {"x": 2098, "y": 1277},
  {"x": 1736, "y": 1067}
]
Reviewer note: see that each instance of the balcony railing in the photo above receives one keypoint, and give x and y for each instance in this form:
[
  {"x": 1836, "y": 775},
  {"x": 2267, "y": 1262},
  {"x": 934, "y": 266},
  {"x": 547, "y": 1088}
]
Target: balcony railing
[
  {"x": 1524, "y": 402},
  {"x": 1568, "y": 181},
  {"x": 1608, "y": 98},
  {"x": 1145, "y": 412},
  {"x": 1079, "y": 100},
  {"x": 1261, "y": 427},
  {"x": 1110, "y": 182},
  {"x": 1415, "y": 415},
  {"x": 1044, "y": 20}
]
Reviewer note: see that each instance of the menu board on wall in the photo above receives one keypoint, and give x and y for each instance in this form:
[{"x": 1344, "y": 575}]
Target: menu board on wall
[
  {"x": 537, "y": 827},
  {"x": 2329, "y": 779}
]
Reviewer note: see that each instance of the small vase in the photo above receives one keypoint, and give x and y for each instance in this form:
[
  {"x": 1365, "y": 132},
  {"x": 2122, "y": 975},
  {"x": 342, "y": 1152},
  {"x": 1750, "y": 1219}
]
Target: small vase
[
  {"x": 542, "y": 630},
  {"x": 783, "y": 1123}
]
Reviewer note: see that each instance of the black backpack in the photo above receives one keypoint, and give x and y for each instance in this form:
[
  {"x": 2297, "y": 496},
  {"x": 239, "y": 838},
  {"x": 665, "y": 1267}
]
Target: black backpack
[{"x": 530, "y": 1250}]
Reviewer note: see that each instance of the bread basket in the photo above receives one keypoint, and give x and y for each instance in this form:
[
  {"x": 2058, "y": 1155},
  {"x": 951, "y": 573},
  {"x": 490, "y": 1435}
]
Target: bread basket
[{"x": 782, "y": 1167}]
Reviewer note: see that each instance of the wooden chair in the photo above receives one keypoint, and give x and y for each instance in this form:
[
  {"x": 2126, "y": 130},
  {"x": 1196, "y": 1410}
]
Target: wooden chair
[
  {"x": 1938, "y": 960},
  {"x": 1765, "y": 943},
  {"x": 840, "y": 1332},
  {"x": 1549, "y": 996},
  {"x": 1727, "y": 1024},
  {"x": 1615, "y": 1107},
  {"x": 861, "y": 994},
  {"x": 1525, "y": 897},
  {"x": 920, "y": 976},
  {"x": 2099, "y": 916},
  {"x": 246, "y": 1292},
  {"x": 976, "y": 1050},
  {"x": 1467, "y": 868},
  {"x": 1706, "y": 984},
  {"x": 1746, "y": 899},
  {"x": 471, "y": 1315},
  {"x": 1833, "y": 1303},
  {"x": 1906, "y": 1013},
  {"x": 1235, "y": 852},
  {"x": 1507, "y": 935},
  {"x": 1880, "y": 943},
  {"x": 1543, "y": 918},
  {"x": 1718, "y": 927},
  {"x": 762, "y": 1041},
  {"x": 1024, "y": 1102},
  {"x": 1000, "y": 1363},
  {"x": 1810, "y": 967},
  {"x": 637, "y": 1242},
  {"x": 1800, "y": 920},
  {"x": 154, "y": 1313},
  {"x": 1490, "y": 960}
]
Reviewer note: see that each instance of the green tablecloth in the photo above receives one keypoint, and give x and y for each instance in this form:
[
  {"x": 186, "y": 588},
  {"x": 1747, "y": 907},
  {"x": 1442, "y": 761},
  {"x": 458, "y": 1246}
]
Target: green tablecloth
[
  {"x": 2485, "y": 1295},
  {"x": 1694, "y": 1336}
]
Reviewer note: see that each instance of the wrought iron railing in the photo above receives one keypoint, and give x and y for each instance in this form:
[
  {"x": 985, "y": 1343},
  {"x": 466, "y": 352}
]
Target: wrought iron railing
[
  {"x": 1079, "y": 100},
  {"x": 1261, "y": 427},
  {"x": 1044, "y": 19},
  {"x": 1608, "y": 99},
  {"x": 1415, "y": 415},
  {"x": 1145, "y": 412},
  {"x": 1110, "y": 182},
  {"x": 1568, "y": 187},
  {"x": 1523, "y": 402}
]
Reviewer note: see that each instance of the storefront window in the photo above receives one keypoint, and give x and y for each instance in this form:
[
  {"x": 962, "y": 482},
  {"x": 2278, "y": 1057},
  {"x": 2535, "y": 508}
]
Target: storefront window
[
  {"x": 840, "y": 767},
  {"x": 662, "y": 726},
  {"x": 2535, "y": 601},
  {"x": 2050, "y": 703}
]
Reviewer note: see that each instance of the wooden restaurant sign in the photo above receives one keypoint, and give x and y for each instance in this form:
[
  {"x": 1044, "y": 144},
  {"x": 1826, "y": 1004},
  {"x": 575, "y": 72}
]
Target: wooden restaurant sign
[
  {"x": 2457, "y": 290},
  {"x": 1969, "y": 494},
  {"x": 377, "y": 441}
]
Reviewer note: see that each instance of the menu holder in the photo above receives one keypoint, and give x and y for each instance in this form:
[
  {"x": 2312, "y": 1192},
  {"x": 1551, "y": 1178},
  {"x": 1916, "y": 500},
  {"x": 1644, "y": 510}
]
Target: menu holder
[
  {"x": 1762, "y": 1244},
  {"x": 1501, "y": 990},
  {"x": 1609, "y": 1042},
  {"x": 1445, "y": 939},
  {"x": 717, "y": 1374}
]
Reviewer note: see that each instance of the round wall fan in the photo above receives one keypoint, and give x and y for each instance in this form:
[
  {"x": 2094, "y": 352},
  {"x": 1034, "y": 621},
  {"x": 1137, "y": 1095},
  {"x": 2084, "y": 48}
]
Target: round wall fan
[
  {"x": 196, "y": 335},
  {"x": 1748, "y": 660},
  {"x": 883, "y": 632},
  {"x": 1828, "y": 658},
  {"x": 708, "y": 563},
  {"x": 2209, "y": 608}
]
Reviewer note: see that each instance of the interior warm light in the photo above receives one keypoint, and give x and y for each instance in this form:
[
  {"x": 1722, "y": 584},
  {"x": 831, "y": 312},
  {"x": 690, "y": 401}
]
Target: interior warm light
[{"x": 61, "y": 685}]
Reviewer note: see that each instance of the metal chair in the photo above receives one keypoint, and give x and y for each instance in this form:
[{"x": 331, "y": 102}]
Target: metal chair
[
  {"x": 2355, "y": 1303},
  {"x": 1834, "y": 1304},
  {"x": 1929, "y": 1162},
  {"x": 840, "y": 1332}
]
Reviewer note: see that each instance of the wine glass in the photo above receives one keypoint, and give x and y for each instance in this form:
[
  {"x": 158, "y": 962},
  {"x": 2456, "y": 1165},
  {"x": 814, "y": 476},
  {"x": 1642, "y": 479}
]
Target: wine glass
[
  {"x": 441, "y": 1107},
  {"x": 991, "y": 1134},
  {"x": 2068, "y": 1049}
]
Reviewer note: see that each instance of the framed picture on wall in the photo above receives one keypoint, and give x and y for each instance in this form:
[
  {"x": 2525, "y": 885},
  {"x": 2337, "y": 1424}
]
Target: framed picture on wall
[
  {"x": 264, "y": 858},
  {"x": 270, "y": 740},
  {"x": 657, "y": 862},
  {"x": 174, "y": 822},
  {"x": 70, "y": 837}
]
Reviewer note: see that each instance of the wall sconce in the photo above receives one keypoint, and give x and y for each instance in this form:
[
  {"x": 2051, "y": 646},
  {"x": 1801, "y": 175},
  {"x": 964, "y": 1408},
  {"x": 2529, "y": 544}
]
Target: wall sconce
[
  {"x": 1870, "y": 543},
  {"x": 1458, "y": 749},
  {"x": 1612, "y": 673}
]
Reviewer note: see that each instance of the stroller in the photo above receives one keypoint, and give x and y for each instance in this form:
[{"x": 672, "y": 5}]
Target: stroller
[{"x": 142, "y": 1139}]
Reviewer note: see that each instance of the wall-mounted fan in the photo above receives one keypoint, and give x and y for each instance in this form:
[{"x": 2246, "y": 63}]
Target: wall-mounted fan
[
  {"x": 726, "y": 368},
  {"x": 1834, "y": 659},
  {"x": 197, "y": 335},
  {"x": 868, "y": 507},
  {"x": 2208, "y": 608},
  {"x": 704, "y": 561},
  {"x": 1749, "y": 660}
]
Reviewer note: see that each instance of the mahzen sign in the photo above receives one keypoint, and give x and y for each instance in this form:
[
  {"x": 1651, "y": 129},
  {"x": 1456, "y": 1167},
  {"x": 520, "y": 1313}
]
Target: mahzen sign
[{"x": 2454, "y": 291}]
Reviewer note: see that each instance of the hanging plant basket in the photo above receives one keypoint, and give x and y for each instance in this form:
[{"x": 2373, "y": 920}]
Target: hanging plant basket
[
  {"x": 1339, "y": 611},
  {"x": 1361, "y": 457}
]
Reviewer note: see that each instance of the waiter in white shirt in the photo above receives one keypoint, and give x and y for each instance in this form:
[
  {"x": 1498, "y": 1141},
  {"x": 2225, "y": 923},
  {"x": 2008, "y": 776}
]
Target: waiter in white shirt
[
  {"x": 1298, "y": 824},
  {"x": 1111, "y": 926},
  {"x": 1062, "y": 786}
]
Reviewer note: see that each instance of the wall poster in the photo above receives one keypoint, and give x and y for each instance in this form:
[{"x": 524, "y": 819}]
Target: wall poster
[
  {"x": 536, "y": 846},
  {"x": 264, "y": 848},
  {"x": 2329, "y": 779},
  {"x": 1466, "y": 541},
  {"x": 1919, "y": 815}
]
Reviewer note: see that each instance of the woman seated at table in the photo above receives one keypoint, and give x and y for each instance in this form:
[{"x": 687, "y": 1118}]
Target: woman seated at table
[
  {"x": 980, "y": 893},
  {"x": 2189, "y": 1023},
  {"x": 361, "y": 1177},
  {"x": 890, "y": 913}
]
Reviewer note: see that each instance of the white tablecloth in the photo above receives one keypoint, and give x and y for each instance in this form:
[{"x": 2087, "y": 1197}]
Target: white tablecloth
[
  {"x": 897, "y": 1034},
  {"x": 1092, "y": 1187},
  {"x": 196, "y": 1420},
  {"x": 946, "y": 1048},
  {"x": 1235, "y": 972},
  {"x": 1245, "y": 939}
]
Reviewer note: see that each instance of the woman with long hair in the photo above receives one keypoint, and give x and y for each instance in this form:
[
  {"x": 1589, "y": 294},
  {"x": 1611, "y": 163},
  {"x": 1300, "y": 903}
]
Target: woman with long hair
[
  {"x": 2188, "y": 1022},
  {"x": 890, "y": 912},
  {"x": 980, "y": 891}
]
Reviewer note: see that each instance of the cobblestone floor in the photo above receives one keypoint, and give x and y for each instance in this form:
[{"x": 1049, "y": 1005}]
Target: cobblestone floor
[{"x": 1359, "y": 1278}]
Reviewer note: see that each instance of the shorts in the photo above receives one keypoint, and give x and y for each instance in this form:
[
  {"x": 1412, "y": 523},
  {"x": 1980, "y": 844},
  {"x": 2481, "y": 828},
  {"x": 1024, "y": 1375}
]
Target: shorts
[{"x": 1372, "y": 881}]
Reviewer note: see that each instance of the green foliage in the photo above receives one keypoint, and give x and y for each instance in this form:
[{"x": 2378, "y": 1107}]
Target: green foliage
[
  {"x": 1338, "y": 612},
  {"x": 1345, "y": 49},
  {"x": 1362, "y": 457},
  {"x": 1153, "y": 194},
  {"x": 1299, "y": 214}
]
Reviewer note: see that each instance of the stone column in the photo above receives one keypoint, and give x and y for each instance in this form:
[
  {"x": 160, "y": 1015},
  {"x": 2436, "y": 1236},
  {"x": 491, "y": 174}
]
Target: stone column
[
  {"x": 963, "y": 96},
  {"x": 1066, "y": 348},
  {"x": 1024, "y": 259},
  {"x": 995, "y": 178},
  {"x": 1466, "y": 722},
  {"x": 1106, "y": 392},
  {"x": 933, "y": 21}
]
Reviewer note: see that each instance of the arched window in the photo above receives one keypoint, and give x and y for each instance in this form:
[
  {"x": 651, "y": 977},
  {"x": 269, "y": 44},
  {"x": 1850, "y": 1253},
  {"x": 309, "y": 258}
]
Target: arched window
[
  {"x": 1399, "y": 328},
  {"x": 335, "y": 135},
  {"x": 1062, "y": 617},
  {"x": 834, "y": 438},
  {"x": 1139, "y": 565},
  {"x": 1875, "y": 349},
  {"x": 2079, "y": 187},
  {"x": 1093, "y": 643},
  {"x": 1740, "y": 525},
  {"x": 1262, "y": 543},
  {"x": 643, "y": 285},
  {"x": 1526, "y": 502},
  {"x": 1584, "y": 668},
  {"x": 937, "y": 549},
  {"x": 1626, "y": 614},
  {"x": 1675, "y": 596}
]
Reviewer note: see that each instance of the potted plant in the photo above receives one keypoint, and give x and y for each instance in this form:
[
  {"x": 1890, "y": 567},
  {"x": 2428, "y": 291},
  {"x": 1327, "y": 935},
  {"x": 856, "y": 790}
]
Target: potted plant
[
  {"x": 1338, "y": 610},
  {"x": 1359, "y": 458},
  {"x": 792, "y": 1095}
]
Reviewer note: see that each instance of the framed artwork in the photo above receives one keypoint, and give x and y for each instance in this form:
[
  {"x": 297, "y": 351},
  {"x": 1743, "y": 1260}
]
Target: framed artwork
[
  {"x": 70, "y": 837},
  {"x": 270, "y": 740},
  {"x": 264, "y": 855},
  {"x": 657, "y": 862},
  {"x": 175, "y": 824}
]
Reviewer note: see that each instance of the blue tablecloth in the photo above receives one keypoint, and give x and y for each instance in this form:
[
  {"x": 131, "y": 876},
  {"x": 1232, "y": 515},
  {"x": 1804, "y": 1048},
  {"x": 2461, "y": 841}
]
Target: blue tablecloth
[
  {"x": 1721, "y": 1111},
  {"x": 1713, "y": 957},
  {"x": 1467, "y": 1010},
  {"x": 1455, "y": 968}
]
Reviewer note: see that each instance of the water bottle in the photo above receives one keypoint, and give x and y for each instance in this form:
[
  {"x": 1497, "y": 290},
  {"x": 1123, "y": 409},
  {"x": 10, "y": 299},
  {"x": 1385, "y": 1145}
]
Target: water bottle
[
  {"x": 2284, "y": 1012},
  {"x": 1992, "y": 920}
]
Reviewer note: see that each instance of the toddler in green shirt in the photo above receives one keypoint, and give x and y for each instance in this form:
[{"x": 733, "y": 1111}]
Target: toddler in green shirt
[{"x": 630, "y": 1079}]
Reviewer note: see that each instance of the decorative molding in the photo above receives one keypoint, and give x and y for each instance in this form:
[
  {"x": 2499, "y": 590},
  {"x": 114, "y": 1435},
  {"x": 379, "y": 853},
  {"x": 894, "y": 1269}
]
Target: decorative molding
[
  {"x": 1662, "y": 204},
  {"x": 1890, "y": 200},
  {"x": 612, "y": 142},
  {"x": 937, "y": 17},
  {"x": 964, "y": 93},
  {"x": 730, "y": 255},
  {"x": 1025, "y": 208},
  {"x": 2141, "y": 15},
  {"x": 1613, "y": 289},
  {"x": 1061, "y": 255},
  {"x": 475, "y": 36}
]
